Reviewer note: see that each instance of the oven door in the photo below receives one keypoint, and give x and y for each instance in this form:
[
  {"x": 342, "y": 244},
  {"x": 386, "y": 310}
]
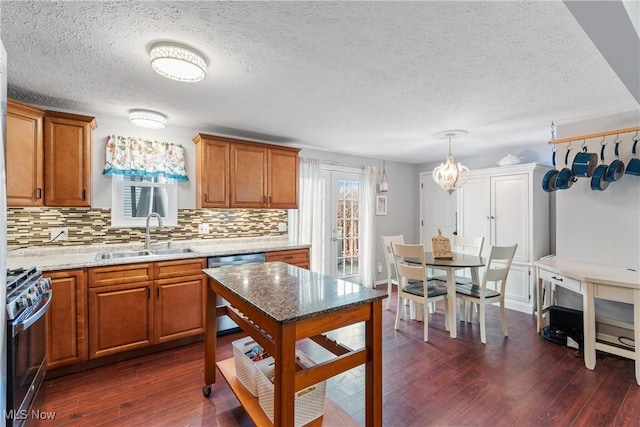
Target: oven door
[{"x": 26, "y": 360}]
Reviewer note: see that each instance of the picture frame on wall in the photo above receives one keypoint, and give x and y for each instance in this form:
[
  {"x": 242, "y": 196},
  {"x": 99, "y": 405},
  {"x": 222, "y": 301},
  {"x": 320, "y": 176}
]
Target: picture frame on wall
[{"x": 381, "y": 205}]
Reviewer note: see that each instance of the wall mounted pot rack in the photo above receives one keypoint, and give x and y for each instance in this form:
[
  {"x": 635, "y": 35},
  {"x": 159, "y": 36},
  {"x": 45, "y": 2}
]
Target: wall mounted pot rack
[{"x": 595, "y": 135}]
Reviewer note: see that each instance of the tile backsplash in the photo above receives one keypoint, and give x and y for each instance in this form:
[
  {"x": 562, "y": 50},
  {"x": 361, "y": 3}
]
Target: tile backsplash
[{"x": 27, "y": 227}]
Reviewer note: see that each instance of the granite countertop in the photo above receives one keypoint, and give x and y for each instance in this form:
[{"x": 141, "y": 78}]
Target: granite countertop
[
  {"x": 70, "y": 257},
  {"x": 287, "y": 293}
]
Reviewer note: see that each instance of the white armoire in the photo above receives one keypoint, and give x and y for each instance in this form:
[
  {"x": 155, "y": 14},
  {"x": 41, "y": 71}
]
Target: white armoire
[{"x": 507, "y": 205}]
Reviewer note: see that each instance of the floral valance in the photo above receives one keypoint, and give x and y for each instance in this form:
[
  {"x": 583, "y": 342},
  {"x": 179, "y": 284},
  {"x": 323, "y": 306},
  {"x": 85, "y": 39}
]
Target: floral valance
[{"x": 136, "y": 156}]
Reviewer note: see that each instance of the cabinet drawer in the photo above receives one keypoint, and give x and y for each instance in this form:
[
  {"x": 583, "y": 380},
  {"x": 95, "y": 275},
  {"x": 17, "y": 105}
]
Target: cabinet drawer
[
  {"x": 613, "y": 293},
  {"x": 294, "y": 256},
  {"x": 179, "y": 268},
  {"x": 120, "y": 274},
  {"x": 560, "y": 280}
]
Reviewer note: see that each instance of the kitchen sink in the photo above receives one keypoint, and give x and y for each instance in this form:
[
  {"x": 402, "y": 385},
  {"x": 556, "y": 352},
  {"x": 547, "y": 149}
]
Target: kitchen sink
[{"x": 136, "y": 254}]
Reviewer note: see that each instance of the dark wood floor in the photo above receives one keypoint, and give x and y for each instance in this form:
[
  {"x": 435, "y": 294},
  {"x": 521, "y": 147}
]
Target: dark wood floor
[{"x": 516, "y": 381}]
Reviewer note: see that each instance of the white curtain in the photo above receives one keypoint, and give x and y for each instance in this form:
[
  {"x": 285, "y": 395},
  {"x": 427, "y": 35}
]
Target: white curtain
[
  {"x": 305, "y": 223},
  {"x": 368, "y": 226}
]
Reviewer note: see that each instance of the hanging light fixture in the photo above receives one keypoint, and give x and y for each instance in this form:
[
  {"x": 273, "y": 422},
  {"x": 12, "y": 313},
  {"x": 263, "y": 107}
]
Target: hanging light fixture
[
  {"x": 449, "y": 175},
  {"x": 384, "y": 181},
  {"x": 178, "y": 62},
  {"x": 148, "y": 119}
]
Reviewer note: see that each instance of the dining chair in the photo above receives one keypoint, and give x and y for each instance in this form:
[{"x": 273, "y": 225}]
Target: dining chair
[
  {"x": 496, "y": 270},
  {"x": 414, "y": 285},
  {"x": 392, "y": 278}
]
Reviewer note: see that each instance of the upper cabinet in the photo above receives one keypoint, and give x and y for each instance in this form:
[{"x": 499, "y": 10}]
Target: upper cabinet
[
  {"x": 25, "y": 150},
  {"x": 48, "y": 157},
  {"x": 67, "y": 157},
  {"x": 239, "y": 174}
]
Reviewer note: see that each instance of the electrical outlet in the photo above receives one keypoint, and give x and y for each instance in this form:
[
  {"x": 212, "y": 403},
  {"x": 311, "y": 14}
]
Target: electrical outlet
[
  {"x": 379, "y": 266},
  {"x": 282, "y": 226},
  {"x": 59, "y": 233},
  {"x": 203, "y": 228}
]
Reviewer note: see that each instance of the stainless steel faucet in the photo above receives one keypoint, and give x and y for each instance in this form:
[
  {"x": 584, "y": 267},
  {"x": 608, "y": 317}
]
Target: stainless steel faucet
[{"x": 147, "y": 239}]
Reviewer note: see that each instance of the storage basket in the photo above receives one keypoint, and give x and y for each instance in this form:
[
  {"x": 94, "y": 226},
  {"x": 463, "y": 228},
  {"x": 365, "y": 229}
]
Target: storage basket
[
  {"x": 246, "y": 369},
  {"x": 308, "y": 402}
]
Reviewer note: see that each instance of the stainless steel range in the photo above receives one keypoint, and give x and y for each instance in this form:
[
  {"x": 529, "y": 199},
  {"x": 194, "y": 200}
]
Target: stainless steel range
[{"x": 28, "y": 299}]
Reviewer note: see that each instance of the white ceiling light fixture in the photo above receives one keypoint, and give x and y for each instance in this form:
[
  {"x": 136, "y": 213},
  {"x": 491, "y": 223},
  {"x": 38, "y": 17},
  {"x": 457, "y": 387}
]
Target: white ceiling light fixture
[
  {"x": 178, "y": 62},
  {"x": 148, "y": 119},
  {"x": 449, "y": 175}
]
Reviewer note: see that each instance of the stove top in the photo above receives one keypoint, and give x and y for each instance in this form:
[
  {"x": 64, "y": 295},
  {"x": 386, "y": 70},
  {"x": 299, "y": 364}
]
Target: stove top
[{"x": 19, "y": 276}]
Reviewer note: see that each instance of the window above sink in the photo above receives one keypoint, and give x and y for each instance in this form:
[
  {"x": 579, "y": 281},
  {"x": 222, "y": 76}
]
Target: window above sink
[{"x": 135, "y": 196}]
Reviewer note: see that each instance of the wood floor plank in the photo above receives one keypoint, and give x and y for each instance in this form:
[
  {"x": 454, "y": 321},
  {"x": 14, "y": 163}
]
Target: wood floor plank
[{"x": 516, "y": 381}]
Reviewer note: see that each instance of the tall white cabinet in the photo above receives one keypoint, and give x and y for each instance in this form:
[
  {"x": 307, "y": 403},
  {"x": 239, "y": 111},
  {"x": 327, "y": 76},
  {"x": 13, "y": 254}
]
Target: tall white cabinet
[{"x": 507, "y": 205}]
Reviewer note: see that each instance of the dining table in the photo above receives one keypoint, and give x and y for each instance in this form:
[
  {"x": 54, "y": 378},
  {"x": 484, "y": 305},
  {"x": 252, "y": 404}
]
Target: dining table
[{"x": 458, "y": 261}]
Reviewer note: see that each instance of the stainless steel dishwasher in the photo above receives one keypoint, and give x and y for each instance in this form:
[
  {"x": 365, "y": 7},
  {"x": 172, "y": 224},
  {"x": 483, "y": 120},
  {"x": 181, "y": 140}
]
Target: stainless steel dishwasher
[{"x": 225, "y": 325}]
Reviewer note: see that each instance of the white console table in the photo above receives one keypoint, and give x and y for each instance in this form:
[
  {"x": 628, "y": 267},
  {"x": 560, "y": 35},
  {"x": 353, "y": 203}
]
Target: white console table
[{"x": 594, "y": 281}]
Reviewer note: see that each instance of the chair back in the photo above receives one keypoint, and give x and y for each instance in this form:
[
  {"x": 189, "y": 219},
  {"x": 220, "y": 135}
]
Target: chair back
[
  {"x": 388, "y": 253},
  {"x": 498, "y": 265},
  {"x": 409, "y": 261},
  {"x": 468, "y": 245}
]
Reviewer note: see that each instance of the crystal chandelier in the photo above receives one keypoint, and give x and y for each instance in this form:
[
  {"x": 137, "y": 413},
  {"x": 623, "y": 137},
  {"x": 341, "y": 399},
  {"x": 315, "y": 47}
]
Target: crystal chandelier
[
  {"x": 178, "y": 62},
  {"x": 450, "y": 175}
]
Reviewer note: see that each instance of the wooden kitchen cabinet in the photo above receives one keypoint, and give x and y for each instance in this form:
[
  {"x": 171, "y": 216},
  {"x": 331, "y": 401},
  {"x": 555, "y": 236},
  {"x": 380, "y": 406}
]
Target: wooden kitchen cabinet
[
  {"x": 507, "y": 205},
  {"x": 137, "y": 305},
  {"x": 180, "y": 293},
  {"x": 66, "y": 319},
  {"x": 120, "y": 308},
  {"x": 67, "y": 159},
  {"x": 297, "y": 257},
  {"x": 263, "y": 177},
  {"x": 239, "y": 174},
  {"x": 212, "y": 172},
  {"x": 25, "y": 152}
]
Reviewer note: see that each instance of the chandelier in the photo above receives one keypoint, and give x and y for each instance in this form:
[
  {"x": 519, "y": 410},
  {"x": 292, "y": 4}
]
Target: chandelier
[
  {"x": 450, "y": 175},
  {"x": 178, "y": 62}
]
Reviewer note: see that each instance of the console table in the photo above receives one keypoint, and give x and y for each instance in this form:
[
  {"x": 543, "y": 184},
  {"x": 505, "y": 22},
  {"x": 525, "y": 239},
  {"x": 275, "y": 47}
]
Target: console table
[
  {"x": 594, "y": 281},
  {"x": 279, "y": 304}
]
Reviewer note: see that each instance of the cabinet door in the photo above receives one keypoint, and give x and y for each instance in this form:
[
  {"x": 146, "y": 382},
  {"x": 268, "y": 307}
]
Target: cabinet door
[
  {"x": 67, "y": 155},
  {"x": 24, "y": 155},
  {"x": 66, "y": 324},
  {"x": 120, "y": 318},
  {"x": 179, "y": 308},
  {"x": 248, "y": 176},
  {"x": 212, "y": 180},
  {"x": 517, "y": 293},
  {"x": 475, "y": 211},
  {"x": 282, "y": 179},
  {"x": 510, "y": 213}
]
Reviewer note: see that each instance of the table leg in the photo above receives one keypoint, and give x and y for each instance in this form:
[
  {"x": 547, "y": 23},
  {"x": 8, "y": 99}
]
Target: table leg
[
  {"x": 539, "y": 304},
  {"x": 636, "y": 331},
  {"x": 373, "y": 368},
  {"x": 589, "y": 309},
  {"x": 451, "y": 297},
  {"x": 285, "y": 373},
  {"x": 210, "y": 339}
]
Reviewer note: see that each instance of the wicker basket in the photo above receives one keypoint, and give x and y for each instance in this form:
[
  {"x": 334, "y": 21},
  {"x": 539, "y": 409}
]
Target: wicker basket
[
  {"x": 308, "y": 402},
  {"x": 246, "y": 369}
]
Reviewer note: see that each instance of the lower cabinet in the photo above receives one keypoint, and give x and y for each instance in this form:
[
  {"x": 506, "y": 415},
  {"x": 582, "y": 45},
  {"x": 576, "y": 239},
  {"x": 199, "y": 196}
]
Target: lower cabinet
[
  {"x": 128, "y": 309},
  {"x": 297, "y": 257},
  {"x": 66, "y": 319}
]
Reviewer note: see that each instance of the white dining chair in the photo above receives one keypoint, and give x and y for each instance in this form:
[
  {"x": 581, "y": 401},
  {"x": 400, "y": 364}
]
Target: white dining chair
[
  {"x": 496, "y": 270},
  {"x": 392, "y": 278},
  {"x": 414, "y": 284}
]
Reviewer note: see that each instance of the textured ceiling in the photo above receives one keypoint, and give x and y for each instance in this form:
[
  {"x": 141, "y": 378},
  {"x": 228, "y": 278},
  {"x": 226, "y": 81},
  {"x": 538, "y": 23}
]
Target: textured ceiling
[{"x": 376, "y": 79}]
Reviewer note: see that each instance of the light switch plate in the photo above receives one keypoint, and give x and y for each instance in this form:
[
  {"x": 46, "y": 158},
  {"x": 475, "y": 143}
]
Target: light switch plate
[
  {"x": 203, "y": 228},
  {"x": 282, "y": 226}
]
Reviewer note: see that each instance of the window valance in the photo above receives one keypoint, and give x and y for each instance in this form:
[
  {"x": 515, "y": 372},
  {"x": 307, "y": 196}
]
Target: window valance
[{"x": 136, "y": 156}]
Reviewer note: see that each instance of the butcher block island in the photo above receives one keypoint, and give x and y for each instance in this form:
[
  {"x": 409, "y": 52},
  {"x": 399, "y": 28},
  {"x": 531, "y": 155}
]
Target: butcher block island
[{"x": 278, "y": 304}]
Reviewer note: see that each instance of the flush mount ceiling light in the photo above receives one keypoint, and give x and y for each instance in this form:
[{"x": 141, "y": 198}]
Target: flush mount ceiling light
[
  {"x": 449, "y": 175},
  {"x": 148, "y": 119},
  {"x": 178, "y": 62}
]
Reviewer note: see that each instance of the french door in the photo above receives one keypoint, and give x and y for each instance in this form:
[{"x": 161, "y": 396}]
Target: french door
[{"x": 342, "y": 223}]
